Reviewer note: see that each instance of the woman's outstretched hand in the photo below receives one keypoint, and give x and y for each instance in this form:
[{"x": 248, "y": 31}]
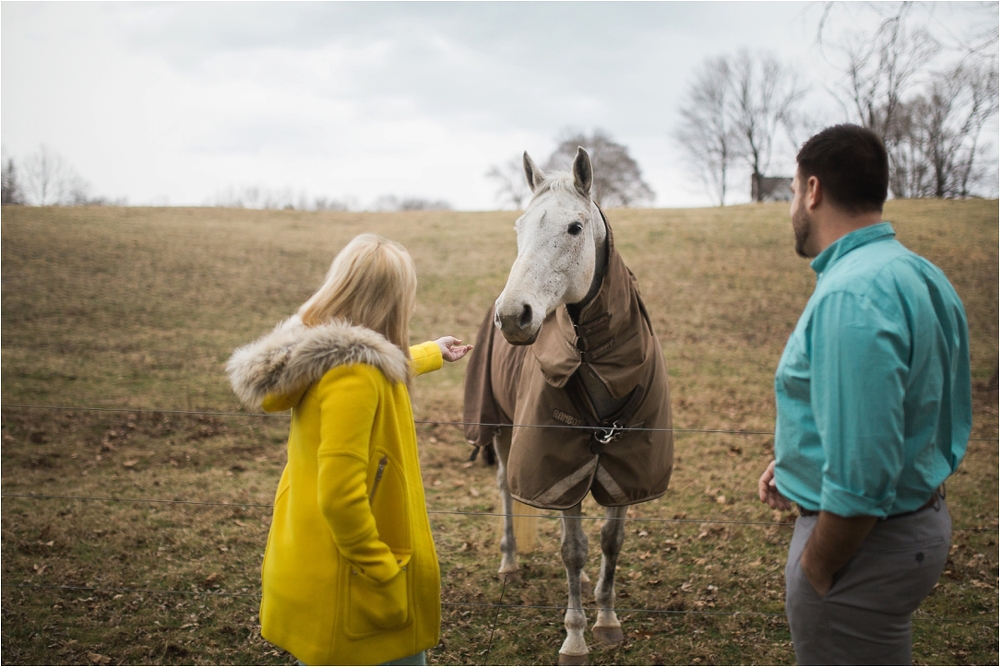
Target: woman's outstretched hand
[{"x": 452, "y": 348}]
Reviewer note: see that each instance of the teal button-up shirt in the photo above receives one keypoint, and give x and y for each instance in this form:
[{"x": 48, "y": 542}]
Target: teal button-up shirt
[{"x": 874, "y": 397}]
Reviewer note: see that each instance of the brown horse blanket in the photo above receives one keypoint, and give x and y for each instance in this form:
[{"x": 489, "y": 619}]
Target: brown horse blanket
[{"x": 525, "y": 386}]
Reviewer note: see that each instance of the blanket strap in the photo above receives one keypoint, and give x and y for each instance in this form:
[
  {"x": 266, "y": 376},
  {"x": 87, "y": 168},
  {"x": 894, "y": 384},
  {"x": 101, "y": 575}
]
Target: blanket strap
[{"x": 609, "y": 429}]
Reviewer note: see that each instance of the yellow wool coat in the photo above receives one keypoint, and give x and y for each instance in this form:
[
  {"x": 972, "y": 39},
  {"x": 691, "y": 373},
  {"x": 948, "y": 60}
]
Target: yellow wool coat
[{"x": 350, "y": 573}]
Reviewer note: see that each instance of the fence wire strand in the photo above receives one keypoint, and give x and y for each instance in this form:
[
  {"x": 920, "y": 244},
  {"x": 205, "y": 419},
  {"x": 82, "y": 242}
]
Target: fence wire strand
[
  {"x": 430, "y": 422},
  {"x": 481, "y": 605},
  {"x": 737, "y": 522}
]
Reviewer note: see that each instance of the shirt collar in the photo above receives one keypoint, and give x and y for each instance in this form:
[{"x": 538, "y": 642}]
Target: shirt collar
[{"x": 849, "y": 242}]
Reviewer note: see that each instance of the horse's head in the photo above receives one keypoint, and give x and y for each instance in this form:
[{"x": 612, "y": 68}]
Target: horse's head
[{"x": 558, "y": 240}]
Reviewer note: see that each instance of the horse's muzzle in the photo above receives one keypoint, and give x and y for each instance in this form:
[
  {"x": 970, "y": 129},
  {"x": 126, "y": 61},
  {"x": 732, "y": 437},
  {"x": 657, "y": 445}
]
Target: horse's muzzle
[{"x": 517, "y": 329}]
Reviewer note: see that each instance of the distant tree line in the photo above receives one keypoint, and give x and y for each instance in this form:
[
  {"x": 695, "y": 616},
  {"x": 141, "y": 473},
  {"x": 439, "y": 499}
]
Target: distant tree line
[
  {"x": 394, "y": 203},
  {"x": 44, "y": 178},
  {"x": 259, "y": 197},
  {"x": 618, "y": 179},
  {"x": 285, "y": 199},
  {"x": 738, "y": 107}
]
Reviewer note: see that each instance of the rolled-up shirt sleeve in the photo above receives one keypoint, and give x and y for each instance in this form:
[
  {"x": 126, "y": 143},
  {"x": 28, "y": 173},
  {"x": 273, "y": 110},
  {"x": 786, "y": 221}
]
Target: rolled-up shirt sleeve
[{"x": 859, "y": 372}]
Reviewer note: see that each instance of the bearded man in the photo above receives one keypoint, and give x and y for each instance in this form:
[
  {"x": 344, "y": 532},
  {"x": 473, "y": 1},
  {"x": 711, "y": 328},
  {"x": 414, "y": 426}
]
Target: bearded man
[{"x": 874, "y": 411}]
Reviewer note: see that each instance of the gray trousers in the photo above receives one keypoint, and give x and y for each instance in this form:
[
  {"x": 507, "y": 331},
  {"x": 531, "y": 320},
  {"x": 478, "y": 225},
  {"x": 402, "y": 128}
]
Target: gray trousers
[{"x": 865, "y": 617}]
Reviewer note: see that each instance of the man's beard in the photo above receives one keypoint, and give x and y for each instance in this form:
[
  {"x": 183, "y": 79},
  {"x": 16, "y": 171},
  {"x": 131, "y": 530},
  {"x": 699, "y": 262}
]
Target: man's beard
[{"x": 801, "y": 224}]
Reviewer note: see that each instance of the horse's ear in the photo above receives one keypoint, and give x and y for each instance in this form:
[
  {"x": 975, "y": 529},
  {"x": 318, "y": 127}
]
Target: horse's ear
[
  {"x": 583, "y": 172},
  {"x": 534, "y": 175}
]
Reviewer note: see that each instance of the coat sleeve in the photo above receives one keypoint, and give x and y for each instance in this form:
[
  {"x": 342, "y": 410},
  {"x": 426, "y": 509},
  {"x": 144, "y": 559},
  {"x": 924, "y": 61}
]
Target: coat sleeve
[
  {"x": 349, "y": 397},
  {"x": 425, "y": 357}
]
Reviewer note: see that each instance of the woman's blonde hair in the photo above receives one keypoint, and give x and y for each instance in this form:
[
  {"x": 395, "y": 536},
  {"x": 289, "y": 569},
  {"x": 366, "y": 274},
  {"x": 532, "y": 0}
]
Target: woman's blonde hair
[{"x": 371, "y": 283}]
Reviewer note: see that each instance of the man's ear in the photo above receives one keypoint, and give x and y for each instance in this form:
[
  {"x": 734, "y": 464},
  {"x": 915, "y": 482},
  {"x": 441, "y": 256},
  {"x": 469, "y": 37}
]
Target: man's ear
[{"x": 814, "y": 193}]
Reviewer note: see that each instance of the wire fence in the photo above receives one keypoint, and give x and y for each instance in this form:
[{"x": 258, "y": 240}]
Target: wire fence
[
  {"x": 484, "y": 605},
  {"x": 431, "y": 422},
  {"x": 680, "y": 520},
  {"x": 495, "y": 606}
]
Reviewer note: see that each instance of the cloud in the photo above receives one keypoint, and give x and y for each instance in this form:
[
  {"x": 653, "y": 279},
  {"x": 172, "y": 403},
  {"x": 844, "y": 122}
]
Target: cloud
[{"x": 180, "y": 100}]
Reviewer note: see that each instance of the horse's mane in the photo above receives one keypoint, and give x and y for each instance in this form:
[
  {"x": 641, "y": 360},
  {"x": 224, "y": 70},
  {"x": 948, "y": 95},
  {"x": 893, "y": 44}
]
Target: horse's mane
[{"x": 556, "y": 182}]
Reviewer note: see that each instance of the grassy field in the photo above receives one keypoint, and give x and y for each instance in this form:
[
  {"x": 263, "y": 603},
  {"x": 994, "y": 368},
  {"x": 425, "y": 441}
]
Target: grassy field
[{"x": 138, "y": 309}]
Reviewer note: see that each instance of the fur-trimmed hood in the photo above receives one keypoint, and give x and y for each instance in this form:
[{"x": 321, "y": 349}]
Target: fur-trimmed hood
[{"x": 293, "y": 356}]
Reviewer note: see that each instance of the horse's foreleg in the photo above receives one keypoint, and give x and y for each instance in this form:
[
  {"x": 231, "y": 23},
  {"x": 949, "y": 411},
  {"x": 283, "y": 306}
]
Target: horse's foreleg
[
  {"x": 607, "y": 629},
  {"x": 574, "y": 555},
  {"x": 508, "y": 544}
]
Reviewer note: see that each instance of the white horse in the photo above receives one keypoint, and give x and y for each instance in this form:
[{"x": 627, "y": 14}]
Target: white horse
[{"x": 563, "y": 254}]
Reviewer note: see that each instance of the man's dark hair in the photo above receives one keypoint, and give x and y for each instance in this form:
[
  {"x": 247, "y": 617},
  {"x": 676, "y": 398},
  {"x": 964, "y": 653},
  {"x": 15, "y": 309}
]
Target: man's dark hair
[{"x": 851, "y": 164}]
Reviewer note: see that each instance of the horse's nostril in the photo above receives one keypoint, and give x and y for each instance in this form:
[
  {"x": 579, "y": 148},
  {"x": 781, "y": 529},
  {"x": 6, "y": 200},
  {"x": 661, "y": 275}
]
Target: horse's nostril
[{"x": 525, "y": 316}]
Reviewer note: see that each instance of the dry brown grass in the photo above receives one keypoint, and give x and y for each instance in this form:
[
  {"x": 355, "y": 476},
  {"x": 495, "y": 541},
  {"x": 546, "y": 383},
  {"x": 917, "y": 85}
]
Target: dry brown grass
[{"x": 141, "y": 307}]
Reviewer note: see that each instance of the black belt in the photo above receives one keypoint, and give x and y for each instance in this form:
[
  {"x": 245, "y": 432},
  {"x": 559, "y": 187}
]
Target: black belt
[{"x": 939, "y": 494}]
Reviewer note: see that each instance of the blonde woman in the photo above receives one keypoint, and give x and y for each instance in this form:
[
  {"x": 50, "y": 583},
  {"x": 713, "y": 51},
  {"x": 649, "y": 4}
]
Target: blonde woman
[{"x": 350, "y": 574}]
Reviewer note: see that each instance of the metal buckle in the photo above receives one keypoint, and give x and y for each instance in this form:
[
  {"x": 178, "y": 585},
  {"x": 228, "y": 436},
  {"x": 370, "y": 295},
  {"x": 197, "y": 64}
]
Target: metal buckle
[{"x": 605, "y": 436}]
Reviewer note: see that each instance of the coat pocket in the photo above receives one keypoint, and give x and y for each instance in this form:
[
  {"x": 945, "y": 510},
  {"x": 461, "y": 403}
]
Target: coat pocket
[
  {"x": 377, "y": 607},
  {"x": 390, "y": 502},
  {"x": 282, "y": 492}
]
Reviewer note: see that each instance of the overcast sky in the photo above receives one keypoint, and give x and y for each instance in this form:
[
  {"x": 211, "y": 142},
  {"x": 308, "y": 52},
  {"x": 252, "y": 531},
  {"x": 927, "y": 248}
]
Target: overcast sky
[{"x": 174, "y": 103}]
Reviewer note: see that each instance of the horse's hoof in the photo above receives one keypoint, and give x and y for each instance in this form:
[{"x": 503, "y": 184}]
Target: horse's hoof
[
  {"x": 510, "y": 577},
  {"x": 608, "y": 635},
  {"x": 567, "y": 659}
]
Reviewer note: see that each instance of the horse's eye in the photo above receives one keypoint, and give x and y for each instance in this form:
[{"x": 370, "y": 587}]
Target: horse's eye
[{"x": 575, "y": 228}]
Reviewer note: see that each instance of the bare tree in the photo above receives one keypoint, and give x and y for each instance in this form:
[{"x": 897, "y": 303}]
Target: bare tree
[
  {"x": 880, "y": 69},
  {"x": 936, "y": 136},
  {"x": 617, "y": 176},
  {"x": 763, "y": 101},
  {"x": 908, "y": 172},
  {"x": 51, "y": 181},
  {"x": 929, "y": 113},
  {"x": 10, "y": 193},
  {"x": 512, "y": 189},
  {"x": 977, "y": 43},
  {"x": 983, "y": 103},
  {"x": 706, "y": 132}
]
